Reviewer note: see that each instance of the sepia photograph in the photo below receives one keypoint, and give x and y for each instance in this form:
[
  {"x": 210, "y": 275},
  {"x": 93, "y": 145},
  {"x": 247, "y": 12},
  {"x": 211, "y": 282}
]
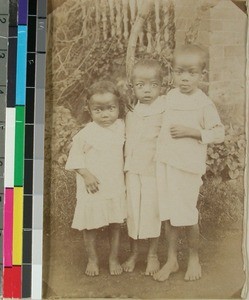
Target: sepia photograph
[{"x": 145, "y": 179}]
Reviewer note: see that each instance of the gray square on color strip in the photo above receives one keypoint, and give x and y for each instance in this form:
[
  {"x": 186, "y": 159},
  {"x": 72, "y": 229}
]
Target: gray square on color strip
[
  {"x": 4, "y": 25},
  {"x": 3, "y": 67},
  {"x": 38, "y": 177},
  {"x": 39, "y": 106},
  {"x": 37, "y": 242},
  {"x": 41, "y": 35},
  {"x": 1, "y": 185},
  {"x": 2, "y": 139},
  {"x": 1, "y": 167},
  {"x": 42, "y": 9},
  {"x": 2, "y": 103},
  {"x": 3, "y": 42},
  {"x": 4, "y": 7},
  {"x": 40, "y": 70},
  {"x": 37, "y": 212},
  {"x": 39, "y": 141}
]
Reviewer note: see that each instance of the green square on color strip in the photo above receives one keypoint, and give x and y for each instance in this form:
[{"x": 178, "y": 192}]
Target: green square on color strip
[{"x": 19, "y": 146}]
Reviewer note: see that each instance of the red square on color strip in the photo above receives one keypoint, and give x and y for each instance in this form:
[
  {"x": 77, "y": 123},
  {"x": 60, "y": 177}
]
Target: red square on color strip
[
  {"x": 7, "y": 282},
  {"x": 17, "y": 281}
]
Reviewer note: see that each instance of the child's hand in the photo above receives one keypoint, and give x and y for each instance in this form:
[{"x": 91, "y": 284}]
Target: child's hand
[
  {"x": 179, "y": 131},
  {"x": 91, "y": 182}
]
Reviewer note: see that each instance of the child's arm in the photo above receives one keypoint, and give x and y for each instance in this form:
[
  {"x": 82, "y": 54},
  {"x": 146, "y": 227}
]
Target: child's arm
[
  {"x": 213, "y": 131},
  {"x": 179, "y": 131},
  {"x": 91, "y": 182}
]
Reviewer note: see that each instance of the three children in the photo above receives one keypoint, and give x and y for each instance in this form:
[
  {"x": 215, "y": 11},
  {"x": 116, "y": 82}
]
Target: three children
[{"x": 165, "y": 153}]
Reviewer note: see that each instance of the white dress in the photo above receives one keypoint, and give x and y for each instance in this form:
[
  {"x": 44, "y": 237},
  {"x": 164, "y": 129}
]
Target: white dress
[{"x": 100, "y": 150}]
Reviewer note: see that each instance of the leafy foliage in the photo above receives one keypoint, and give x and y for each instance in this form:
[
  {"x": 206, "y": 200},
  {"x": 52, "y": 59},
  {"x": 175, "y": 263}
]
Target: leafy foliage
[{"x": 227, "y": 160}]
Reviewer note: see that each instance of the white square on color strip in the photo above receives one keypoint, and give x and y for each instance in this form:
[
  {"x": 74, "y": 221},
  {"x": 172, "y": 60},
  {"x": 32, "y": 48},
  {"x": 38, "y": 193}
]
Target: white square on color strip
[
  {"x": 9, "y": 147},
  {"x": 36, "y": 282}
]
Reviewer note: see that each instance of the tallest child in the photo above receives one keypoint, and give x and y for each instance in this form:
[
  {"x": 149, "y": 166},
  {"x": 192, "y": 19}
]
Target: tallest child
[{"x": 190, "y": 122}]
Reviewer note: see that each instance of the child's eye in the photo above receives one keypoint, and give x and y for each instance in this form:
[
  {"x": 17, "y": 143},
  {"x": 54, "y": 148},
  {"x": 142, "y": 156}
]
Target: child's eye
[
  {"x": 155, "y": 84},
  {"x": 112, "y": 108},
  {"x": 139, "y": 85},
  {"x": 178, "y": 72},
  {"x": 97, "y": 110}
]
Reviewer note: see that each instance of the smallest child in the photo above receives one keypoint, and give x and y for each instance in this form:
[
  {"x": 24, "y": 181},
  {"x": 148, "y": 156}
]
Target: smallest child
[
  {"x": 190, "y": 122},
  {"x": 97, "y": 158}
]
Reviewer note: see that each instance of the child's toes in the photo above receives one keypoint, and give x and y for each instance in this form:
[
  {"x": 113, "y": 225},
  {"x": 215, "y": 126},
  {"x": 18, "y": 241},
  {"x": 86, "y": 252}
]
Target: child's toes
[
  {"x": 153, "y": 265},
  {"x": 115, "y": 268},
  {"x": 92, "y": 269}
]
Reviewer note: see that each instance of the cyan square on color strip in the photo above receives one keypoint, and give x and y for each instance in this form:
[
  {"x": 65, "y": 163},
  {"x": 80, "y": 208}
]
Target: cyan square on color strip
[
  {"x": 38, "y": 177},
  {"x": 4, "y": 5},
  {"x": 37, "y": 246},
  {"x": 40, "y": 106},
  {"x": 37, "y": 211},
  {"x": 21, "y": 65},
  {"x": 40, "y": 70},
  {"x": 39, "y": 141},
  {"x": 41, "y": 35}
]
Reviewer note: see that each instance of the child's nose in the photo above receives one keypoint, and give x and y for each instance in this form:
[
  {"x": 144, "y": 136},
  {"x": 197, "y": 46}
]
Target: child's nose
[
  {"x": 147, "y": 88},
  {"x": 185, "y": 76}
]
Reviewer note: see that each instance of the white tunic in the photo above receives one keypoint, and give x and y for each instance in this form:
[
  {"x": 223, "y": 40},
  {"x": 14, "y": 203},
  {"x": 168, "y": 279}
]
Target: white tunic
[{"x": 100, "y": 150}]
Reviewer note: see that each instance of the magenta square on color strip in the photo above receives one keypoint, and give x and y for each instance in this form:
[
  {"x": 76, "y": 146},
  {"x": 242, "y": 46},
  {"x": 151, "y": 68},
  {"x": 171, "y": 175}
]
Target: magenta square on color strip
[
  {"x": 23, "y": 12},
  {"x": 8, "y": 227}
]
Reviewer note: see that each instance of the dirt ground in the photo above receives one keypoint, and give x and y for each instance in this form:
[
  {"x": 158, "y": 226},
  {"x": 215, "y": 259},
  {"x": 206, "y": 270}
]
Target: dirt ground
[{"x": 221, "y": 259}]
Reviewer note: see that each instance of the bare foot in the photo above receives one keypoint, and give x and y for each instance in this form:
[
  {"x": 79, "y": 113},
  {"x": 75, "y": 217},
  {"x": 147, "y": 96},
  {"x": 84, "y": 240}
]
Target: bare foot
[
  {"x": 167, "y": 269},
  {"x": 194, "y": 269},
  {"x": 129, "y": 265},
  {"x": 115, "y": 267},
  {"x": 92, "y": 268},
  {"x": 153, "y": 265}
]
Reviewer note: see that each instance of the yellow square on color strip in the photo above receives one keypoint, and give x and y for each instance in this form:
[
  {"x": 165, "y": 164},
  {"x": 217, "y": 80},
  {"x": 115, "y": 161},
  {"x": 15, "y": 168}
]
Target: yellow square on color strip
[{"x": 17, "y": 226}]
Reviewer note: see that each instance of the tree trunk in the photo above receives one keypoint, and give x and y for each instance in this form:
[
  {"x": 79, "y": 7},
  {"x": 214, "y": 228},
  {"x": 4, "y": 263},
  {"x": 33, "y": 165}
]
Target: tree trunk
[{"x": 136, "y": 29}]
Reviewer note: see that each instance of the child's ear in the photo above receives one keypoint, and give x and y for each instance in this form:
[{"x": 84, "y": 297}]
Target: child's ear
[{"x": 204, "y": 73}]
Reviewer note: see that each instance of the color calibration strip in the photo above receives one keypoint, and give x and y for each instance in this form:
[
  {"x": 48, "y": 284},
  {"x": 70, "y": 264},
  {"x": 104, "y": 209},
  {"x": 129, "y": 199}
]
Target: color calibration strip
[
  {"x": 4, "y": 28},
  {"x": 23, "y": 178}
]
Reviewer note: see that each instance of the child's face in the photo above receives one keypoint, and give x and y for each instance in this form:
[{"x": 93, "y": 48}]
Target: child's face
[
  {"x": 104, "y": 109},
  {"x": 187, "y": 72},
  {"x": 146, "y": 84}
]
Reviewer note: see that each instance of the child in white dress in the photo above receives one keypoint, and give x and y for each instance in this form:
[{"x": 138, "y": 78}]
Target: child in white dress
[
  {"x": 142, "y": 129},
  {"x": 190, "y": 122},
  {"x": 97, "y": 157}
]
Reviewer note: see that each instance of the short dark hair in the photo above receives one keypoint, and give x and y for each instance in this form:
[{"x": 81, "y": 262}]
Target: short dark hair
[
  {"x": 192, "y": 49},
  {"x": 148, "y": 63},
  {"x": 106, "y": 86}
]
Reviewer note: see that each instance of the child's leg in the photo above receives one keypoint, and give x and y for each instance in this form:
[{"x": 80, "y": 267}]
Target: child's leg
[
  {"x": 92, "y": 268},
  {"x": 129, "y": 265},
  {"x": 153, "y": 264},
  {"x": 114, "y": 237},
  {"x": 194, "y": 267},
  {"x": 171, "y": 265}
]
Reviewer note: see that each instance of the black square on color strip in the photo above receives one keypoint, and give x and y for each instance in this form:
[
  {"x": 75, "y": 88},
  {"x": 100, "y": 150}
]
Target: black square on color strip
[
  {"x": 27, "y": 246},
  {"x": 28, "y": 177},
  {"x": 31, "y": 33},
  {"x": 26, "y": 281},
  {"x": 32, "y": 7},
  {"x": 27, "y": 212},
  {"x": 13, "y": 8},
  {"x": 30, "y": 101},
  {"x": 30, "y": 70},
  {"x": 29, "y": 141}
]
